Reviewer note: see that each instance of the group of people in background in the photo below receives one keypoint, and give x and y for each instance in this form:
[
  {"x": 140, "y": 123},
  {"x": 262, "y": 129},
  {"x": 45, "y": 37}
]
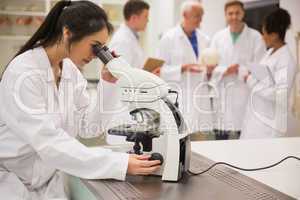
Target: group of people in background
[{"x": 246, "y": 95}]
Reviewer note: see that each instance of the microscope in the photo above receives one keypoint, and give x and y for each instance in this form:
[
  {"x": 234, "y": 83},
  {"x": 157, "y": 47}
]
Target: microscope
[{"x": 158, "y": 127}]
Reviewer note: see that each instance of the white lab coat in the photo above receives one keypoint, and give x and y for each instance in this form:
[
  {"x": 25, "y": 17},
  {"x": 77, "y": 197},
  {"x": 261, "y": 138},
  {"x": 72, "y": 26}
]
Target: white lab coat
[
  {"x": 175, "y": 49},
  {"x": 37, "y": 128},
  {"x": 268, "y": 107},
  {"x": 125, "y": 43},
  {"x": 231, "y": 94}
]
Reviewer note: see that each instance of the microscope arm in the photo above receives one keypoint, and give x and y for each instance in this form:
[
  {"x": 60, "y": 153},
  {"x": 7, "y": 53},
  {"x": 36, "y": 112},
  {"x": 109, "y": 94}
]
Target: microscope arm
[{"x": 129, "y": 77}]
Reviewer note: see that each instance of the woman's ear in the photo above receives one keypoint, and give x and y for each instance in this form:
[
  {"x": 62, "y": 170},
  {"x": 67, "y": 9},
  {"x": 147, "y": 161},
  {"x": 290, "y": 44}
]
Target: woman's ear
[{"x": 66, "y": 34}]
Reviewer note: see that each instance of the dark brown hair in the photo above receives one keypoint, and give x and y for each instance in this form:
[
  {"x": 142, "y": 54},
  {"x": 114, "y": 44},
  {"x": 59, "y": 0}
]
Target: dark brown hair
[
  {"x": 134, "y": 7},
  {"x": 278, "y": 22},
  {"x": 234, "y": 3}
]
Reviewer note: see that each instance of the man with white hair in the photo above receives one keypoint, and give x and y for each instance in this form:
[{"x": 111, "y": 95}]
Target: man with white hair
[{"x": 180, "y": 48}]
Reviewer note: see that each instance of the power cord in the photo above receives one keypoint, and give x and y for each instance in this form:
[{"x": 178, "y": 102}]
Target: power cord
[
  {"x": 176, "y": 101},
  {"x": 242, "y": 169}
]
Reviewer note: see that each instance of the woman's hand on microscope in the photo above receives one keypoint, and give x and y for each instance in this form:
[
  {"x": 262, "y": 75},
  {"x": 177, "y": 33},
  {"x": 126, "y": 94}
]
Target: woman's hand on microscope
[{"x": 141, "y": 165}]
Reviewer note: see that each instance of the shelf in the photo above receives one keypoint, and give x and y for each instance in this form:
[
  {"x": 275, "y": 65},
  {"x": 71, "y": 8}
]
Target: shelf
[
  {"x": 110, "y": 2},
  {"x": 40, "y": 8},
  {"x": 22, "y": 13},
  {"x": 14, "y": 37},
  {"x": 116, "y": 23}
]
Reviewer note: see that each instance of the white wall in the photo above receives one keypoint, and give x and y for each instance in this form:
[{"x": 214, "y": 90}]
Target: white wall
[
  {"x": 293, "y": 6},
  {"x": 162, "y": 18},
  {"x": 213, "y": 19}
]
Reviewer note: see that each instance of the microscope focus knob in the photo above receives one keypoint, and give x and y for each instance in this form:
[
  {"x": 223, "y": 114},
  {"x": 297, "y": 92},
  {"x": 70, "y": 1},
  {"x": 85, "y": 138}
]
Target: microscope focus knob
[{"x": 157, "y": 156}]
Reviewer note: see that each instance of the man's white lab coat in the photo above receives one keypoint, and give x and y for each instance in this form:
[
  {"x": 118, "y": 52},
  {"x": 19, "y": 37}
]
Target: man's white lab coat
[
  {"x": 231, "y": 94},
  {"x": 175, "y": 49}
]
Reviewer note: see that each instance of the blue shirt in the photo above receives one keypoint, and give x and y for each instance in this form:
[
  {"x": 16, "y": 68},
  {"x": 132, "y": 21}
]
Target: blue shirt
[{"x": 194, "y": 43}]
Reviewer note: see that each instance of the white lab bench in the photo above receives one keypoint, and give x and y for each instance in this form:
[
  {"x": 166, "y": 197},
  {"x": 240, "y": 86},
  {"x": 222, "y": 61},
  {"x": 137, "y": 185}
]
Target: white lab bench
[
  {"x": 258, "y": 153},
  {"x": 244, "y": 153}
]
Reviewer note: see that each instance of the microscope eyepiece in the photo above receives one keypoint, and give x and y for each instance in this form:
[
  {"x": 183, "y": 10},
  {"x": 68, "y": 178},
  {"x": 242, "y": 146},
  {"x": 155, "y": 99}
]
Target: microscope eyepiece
[{"x": 103, "y": 53}]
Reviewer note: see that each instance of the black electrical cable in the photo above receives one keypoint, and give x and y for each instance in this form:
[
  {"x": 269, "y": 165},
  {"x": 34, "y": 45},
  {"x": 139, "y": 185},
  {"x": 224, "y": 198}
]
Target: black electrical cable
[
  {"x": 176, "y": 101},
  {"x": 242, "y": 169}
]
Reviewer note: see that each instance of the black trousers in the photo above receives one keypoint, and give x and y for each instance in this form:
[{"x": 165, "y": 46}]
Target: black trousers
[{"x": 224, "y": 135}]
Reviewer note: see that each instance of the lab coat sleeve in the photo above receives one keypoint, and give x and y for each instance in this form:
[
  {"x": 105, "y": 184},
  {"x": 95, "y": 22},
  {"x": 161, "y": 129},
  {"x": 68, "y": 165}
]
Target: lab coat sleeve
[
  {"x": 259, "y": 51},
  {"x": 169, "y": 71},
  {"x": 93, "y": 119},
  {"x": 274, "y": 87},
  {"x": 217, "y": 75},
  {"x": 25, "y": 112},
  {"x": 219, "y": 71}
]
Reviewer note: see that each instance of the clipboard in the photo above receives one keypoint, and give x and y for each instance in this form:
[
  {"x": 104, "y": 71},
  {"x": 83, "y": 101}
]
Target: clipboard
[{"x": 153, "y": 63}]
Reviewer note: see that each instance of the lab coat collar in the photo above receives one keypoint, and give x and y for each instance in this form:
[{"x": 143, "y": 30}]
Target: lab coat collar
[
  {"x": 65, "y": 74},
  {"x": 44, "y": 62},
  {"x": 136, "y": 34},
  {"x": 244, "y": 31},
  {"x": 184, "y": 38},
  {"x": 278, "y": 51},
  {"x": 133, "y": 33},
  {"x": 181, "y": 33}
]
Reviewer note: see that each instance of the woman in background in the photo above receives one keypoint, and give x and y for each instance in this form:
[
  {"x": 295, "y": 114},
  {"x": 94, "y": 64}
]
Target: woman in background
[{"x": 268, "y": 108}]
